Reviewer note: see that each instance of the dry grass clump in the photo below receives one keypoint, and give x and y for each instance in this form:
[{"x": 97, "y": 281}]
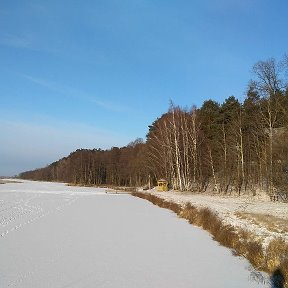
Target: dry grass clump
[
  {"x": 284, "y": 269},
  {"x": 254, "y": 253},
  {"x": 206, "y": 219},
  {"x": 173, "y": 206},
  {"x": 244, "y": 237},
  {"x": 277, "y": 256},
  {"x": 227, "y": 237},
  {"x": 276, "y": 253},
  {"x": 189, "y": 212},
  {"x": 242, "y": 242},
  {"x": 159, "y": 202}
]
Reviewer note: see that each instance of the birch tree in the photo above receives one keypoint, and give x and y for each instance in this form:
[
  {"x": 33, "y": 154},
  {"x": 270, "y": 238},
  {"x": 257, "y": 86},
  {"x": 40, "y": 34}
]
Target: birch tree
[{"x": 269, "y": 85}]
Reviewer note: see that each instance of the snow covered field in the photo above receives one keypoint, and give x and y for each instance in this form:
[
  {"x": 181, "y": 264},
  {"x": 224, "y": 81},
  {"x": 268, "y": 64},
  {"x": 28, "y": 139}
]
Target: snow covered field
[{"x": 55, "y": 236}]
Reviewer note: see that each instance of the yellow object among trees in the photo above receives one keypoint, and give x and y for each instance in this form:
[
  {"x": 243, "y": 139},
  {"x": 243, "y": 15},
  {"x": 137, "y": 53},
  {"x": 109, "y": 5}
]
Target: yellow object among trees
[{"x": 162, "y": 185}]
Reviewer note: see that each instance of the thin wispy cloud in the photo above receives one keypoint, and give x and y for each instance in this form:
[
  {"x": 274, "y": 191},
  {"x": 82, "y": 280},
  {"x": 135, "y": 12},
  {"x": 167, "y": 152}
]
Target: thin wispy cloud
[
  {"x": 41, "y": 82},
  {"x": 76, "y": 93},
  {"x": 30, "y": 42},
  {"x": 15, "y": 41}
]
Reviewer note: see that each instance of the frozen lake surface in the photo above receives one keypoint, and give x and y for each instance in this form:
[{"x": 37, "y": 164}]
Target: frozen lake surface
[{"x": 55, "y": 236}]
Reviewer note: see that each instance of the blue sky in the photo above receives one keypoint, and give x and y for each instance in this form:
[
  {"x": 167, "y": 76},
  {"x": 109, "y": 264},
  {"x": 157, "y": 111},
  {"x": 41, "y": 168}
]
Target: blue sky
[{"x": 95, "y": 74}]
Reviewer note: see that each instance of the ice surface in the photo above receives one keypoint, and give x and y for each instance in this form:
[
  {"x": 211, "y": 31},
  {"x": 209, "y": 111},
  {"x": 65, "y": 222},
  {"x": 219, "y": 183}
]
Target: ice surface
[{"x": 53, "y": 235}]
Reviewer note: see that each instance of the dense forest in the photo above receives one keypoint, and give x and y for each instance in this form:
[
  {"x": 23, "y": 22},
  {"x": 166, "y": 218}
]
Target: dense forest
[{"x": 230, "y": 147}]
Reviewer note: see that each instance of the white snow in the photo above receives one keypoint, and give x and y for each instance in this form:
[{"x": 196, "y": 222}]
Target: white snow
[
  {"x": 228, "y": 207},
  {"x": 54, "y": 235}
]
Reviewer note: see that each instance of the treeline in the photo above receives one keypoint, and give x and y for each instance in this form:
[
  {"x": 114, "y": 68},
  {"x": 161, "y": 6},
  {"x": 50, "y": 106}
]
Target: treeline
[
  {"x": 228, "y": 147},
  {"x": 118, "y": 167}
]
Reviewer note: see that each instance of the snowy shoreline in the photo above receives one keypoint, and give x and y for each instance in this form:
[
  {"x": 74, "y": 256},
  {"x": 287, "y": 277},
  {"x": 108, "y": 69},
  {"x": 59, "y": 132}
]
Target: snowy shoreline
[
  {"x": 229, "y": 209},
  {"x": 232, "y": 221}
]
